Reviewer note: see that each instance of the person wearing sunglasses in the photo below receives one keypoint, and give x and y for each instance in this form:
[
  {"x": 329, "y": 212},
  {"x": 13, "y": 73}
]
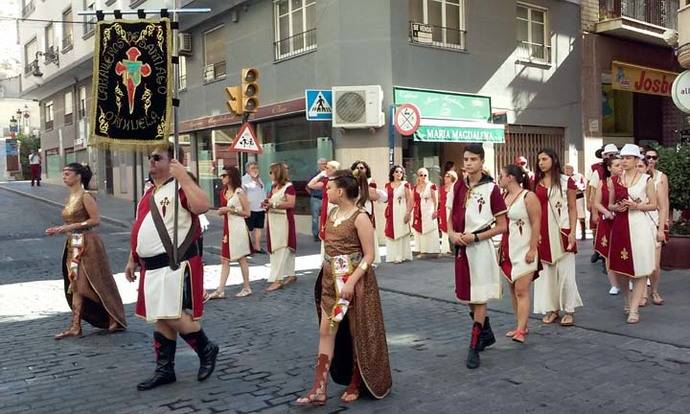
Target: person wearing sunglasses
[
  {"x": 170, "y": 283},
  {"x": 424, "y": 216},
  {"x": 660, "y": 218},
  {"x": 397, "y": 215}
]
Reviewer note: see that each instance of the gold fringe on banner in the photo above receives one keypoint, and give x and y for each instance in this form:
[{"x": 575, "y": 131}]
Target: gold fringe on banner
[{"x": 132, "y": 84}]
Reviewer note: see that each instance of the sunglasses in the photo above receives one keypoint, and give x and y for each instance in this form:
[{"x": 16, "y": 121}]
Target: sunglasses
[
  {"x": 155, "y": 157},
  {"x": 422, "y": 175},
  {"x": 652, "y": 157},
  {"x": 397, "y": 171}
]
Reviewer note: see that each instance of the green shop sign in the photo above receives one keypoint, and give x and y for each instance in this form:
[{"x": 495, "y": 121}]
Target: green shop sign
[
  {"x": 465, "y": 133},
  {"x": 445, "y": 105}
]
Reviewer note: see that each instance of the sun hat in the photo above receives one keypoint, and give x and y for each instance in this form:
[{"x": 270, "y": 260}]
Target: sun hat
[
  {"x": 630, "y": 150},
  {"x": 610, "y": 149}
]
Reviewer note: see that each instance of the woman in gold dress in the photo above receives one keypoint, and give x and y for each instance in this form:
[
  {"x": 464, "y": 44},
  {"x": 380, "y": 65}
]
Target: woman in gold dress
[
  {"x": 90, "y": 289},
  {"x": 352, "y": 337}
]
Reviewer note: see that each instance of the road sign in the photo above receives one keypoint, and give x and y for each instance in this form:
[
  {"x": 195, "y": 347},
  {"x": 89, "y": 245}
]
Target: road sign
[
  {"x": 245, "y": 140},
  {"x": 319, "y": 104},
  {"x": 407, "y": 119}
]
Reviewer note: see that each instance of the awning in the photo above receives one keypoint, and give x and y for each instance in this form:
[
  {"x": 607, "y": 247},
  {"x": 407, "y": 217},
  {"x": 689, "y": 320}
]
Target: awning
[{"x": 437, "y": 130}]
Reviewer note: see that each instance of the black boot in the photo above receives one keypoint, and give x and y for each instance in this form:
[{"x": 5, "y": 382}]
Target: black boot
[
  {"x": 595, "y": 257},
  {"x": 473, "y": 353},
  {"x": 487, "y": 338},
  {"x": 205, "y": 349},
  {"x": 165, "y": 363}
]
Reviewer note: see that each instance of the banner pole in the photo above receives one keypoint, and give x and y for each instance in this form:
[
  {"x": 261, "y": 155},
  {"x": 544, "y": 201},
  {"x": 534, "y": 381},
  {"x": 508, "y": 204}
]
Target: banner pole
[{"x": 176, "y": 139}]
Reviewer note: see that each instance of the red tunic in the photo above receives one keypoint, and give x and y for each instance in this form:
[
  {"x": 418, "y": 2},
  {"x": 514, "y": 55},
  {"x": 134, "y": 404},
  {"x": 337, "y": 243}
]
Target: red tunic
[
  {"x": 196, "y": 265},
  {"x": 388, "y": 213},
  {"x": 602, "y": 238},
  {"x": 597, "y": 168},
  {"x": 442, "y": 214},
  {"x": 621, "y": 229}
]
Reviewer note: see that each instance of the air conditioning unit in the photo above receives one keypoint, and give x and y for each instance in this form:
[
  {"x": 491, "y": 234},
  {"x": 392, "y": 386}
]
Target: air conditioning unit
[
  {"x": 184, "y": 43},
  {"x": 209, "y": 73},
  {"x": 358, "y": 106}
]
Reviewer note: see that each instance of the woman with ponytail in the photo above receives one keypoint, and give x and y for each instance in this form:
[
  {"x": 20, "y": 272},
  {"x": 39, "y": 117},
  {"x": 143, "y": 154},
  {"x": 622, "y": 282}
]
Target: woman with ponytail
[
  {"x": 352, "y": 337},
  {"x": 90, "y": 289},
  {"x": 518, "y": 251}
]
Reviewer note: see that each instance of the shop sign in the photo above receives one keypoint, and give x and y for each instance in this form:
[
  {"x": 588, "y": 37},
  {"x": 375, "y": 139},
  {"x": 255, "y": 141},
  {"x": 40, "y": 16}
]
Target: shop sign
[
  {"x": 461, "y": 132},
  {"x": 445, "y": 105},
  {"x": 680, "y": 91},
  {"x": 641, "y": 79}
]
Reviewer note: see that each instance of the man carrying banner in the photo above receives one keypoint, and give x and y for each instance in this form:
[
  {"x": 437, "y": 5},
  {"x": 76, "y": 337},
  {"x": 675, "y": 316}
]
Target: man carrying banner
[{"x": 170, "y": 294}]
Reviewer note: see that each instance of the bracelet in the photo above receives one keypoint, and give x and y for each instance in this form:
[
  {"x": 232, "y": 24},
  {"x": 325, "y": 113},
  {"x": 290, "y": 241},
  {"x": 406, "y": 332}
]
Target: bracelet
[
  {"x": 84, "y": 223},
  {"x": 363, "y": 265},
  {"x": 476, "y": 237}
]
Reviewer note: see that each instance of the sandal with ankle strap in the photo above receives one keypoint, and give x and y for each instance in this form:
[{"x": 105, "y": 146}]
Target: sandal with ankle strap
[
  {"x": 657, "y": 299},
  {"x": 550, "y": 317},
  {"x": 318, "y": 394},
  {"x": 567, "y": 320}
]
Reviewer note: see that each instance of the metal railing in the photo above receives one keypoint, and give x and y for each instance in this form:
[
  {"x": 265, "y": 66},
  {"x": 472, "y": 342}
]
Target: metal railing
[
  {"x": 31, "y": 66},
  {"x": 662, "y": 13},
  {"x": 439, "y": 36},
  {"x": 67, "y": 42},
  {"x": 28, "y": 8},
  {"x": 48, "y": 125},
  {"x": 295, "y": 45},
  {"x": 534, "y": 52}
]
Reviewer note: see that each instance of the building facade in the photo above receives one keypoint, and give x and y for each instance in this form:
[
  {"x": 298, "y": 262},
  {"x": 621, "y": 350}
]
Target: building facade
[{"x": 524, "y": 57}]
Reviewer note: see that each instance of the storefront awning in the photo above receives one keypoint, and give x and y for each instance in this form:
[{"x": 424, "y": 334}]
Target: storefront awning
[{"x": 436, "y": 130}]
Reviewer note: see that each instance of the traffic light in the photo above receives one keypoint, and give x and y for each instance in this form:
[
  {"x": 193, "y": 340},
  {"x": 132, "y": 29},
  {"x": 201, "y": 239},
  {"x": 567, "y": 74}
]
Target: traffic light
[
  {"x": 234, "y": 102},
  {"x": 250, "y": 89}
]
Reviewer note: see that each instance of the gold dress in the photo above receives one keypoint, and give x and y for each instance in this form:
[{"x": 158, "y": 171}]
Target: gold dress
[
  {"x": 100, "y": 297},
  {"x": 361, "y": 333}
]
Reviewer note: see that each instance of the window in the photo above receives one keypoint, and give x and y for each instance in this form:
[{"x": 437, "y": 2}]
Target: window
[
  {"x": 214, "y": 54},
  {"x": 30, "y": 50},
  {"x": 295, "y": 26},
  {"x": 532, "y": 33},
  {"x": 67, "y": 31},
  {"x": 89, "y": 21},
  {"x": 82, "y": 101},
  {"x": 48, "y": 114},
  {"x": 28, "y": 7},
  {"x": 69, "y": 107},
  {"x": 182, "y": 73},
  {"x": 50, "y": 37},
  {"x": 445, "y": 18}
]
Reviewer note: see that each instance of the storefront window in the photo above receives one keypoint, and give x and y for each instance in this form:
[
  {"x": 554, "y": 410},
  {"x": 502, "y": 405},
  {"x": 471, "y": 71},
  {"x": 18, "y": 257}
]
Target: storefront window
[
  {"x": 422, "y": 154},
  {"x": 298, "y": 143},
  {"x": 53, "y": 165},
  {"x": 616, "y": 111}
]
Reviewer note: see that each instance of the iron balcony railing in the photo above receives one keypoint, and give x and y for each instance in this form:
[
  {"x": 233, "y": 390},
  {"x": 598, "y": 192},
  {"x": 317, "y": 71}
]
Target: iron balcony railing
[
  {"x": 31, "y": 66},
  {"x": 439, "y": 36},
  {"x": 534, "y": 52},
  {"x": 295, "y": 45},
  {"x": 662, "y": 13},
  {"x": 67, "y": 42}
]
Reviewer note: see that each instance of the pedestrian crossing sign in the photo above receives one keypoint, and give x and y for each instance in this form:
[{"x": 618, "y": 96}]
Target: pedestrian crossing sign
[
  {"x": 245, "y": 140},
  {"x": 319, "y": 104}
]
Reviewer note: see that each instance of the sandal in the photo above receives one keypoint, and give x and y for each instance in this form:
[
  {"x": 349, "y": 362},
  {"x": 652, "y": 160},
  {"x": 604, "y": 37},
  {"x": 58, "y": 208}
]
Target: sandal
[
  {"x": 550, "y": 317},
  {"x": 289, "y": 279},
  {"x": 318, "y": 394},
  {"x": 567, "y": 320},
  {"x": 657, "y": 299},
  {"x": 351, "y": 393},
  {"x": 633, "y": 317},
  {"x": 512, "y": 333},
  {"x": 244, "y": 293},
  {"x": 519, "y": 336},
  {"x": 643, "y": 302},
  {"x": 274, "y": 286},
  {"x": 216, "y": 294}
]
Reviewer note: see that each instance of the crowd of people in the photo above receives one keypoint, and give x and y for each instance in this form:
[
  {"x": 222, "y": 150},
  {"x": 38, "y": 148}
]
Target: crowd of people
[{"x": 535, "y": 215}]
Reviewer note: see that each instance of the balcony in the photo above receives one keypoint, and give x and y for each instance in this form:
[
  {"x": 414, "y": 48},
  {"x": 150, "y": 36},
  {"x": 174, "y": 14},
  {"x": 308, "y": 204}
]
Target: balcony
[
  {"x": 684, "y": 36},
  {"x": 296, "y": 45},
  {"x": 28, "y": 8},
  {"x": 640, "y": 20},
  {"x": 67, "y": 43},
  {"x": 31, "y": 67}
]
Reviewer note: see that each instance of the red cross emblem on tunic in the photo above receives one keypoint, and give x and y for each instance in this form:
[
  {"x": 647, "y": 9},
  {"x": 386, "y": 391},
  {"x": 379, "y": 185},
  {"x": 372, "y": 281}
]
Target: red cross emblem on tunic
[{"x": 131, "y": 70}]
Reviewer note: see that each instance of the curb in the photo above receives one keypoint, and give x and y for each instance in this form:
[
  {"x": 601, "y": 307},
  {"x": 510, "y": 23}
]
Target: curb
[{"x": 107, "y": 219}]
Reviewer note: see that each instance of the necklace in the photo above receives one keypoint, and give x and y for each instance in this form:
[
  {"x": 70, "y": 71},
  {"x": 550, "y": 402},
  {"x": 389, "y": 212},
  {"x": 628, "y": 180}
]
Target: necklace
[
  {"x": 338, "y": 219},
  {"x": 627, "y": 183}
]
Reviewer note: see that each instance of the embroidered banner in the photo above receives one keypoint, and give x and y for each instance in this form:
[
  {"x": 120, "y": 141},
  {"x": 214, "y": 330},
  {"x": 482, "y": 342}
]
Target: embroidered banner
[{"x": 132, "y": 82}]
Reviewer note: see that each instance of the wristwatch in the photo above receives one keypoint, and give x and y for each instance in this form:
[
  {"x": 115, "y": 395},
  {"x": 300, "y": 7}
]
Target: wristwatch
[{"x": 476, "y": 237}]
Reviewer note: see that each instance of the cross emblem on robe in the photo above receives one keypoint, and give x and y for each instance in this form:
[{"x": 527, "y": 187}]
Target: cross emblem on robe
[{"x": 164, "y": 203}]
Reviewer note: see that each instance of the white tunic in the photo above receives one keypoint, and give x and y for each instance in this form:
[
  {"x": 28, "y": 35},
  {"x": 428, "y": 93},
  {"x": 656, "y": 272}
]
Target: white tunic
[
  {"x": 519, "y": 236},
  {"x": 237, "y": 229}
]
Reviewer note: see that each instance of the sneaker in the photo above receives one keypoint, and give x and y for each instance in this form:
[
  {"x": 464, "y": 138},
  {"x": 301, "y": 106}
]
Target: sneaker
[{"x": 614, "y": 290}]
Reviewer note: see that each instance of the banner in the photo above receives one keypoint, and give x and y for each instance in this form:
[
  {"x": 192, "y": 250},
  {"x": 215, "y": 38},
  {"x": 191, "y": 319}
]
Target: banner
[{"x": 132, "y": 82}]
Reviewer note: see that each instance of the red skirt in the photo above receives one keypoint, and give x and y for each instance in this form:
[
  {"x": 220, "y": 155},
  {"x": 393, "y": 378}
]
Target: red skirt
[{"x": 602, "y": 237}]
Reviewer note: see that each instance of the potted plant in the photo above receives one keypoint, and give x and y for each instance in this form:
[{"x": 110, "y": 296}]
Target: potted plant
[{"x": 675, "y": 162}]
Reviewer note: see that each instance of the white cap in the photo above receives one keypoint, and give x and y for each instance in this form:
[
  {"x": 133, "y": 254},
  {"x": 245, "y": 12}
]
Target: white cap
[
  {"x": 630, "y": 150},
  {"x": 610, "y": 149}
]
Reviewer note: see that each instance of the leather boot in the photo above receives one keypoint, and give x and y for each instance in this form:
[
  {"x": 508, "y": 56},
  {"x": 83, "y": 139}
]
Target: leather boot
[
  {"x": 487, "y": 338},
  {"x": 75, "y": 327},
  {"x": 205, "y": 349},
  {"x": 165, "y": 363},
  {"x": 473, "y": 353},
  {"x": 318, "y": 394}
]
